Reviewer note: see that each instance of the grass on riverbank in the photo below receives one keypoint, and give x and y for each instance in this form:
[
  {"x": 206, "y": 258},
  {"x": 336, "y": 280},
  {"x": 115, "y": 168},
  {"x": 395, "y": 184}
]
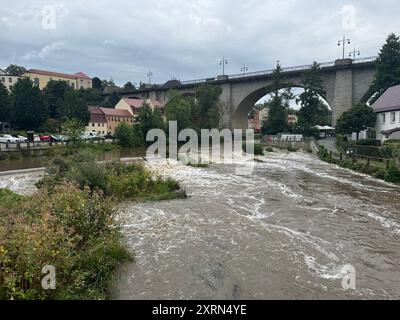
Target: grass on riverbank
[
  {"x": 375, "y": 169},
  {"x": 69, "y": 223}
]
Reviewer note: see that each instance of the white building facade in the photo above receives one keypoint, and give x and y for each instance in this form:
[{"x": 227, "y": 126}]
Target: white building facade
[
  {"x": 387, "y": 108},
  {"x": 8, "y": 80}
]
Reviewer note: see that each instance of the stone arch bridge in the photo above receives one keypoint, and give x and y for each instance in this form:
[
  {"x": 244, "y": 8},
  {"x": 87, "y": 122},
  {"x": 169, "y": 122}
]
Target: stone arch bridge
[{"x": 346, "y": 82}]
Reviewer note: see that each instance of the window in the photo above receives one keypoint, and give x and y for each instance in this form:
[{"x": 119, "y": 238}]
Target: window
[
  {"x": 3, "y": 79},
  {"x": 73, "y": 85},
  {"x": 383, "y": 117},
  {"x": 36, "y": 81},
  {"x": 92, "y": 124},
  {"x": 10, "y": 80},
  {"x": 393, "y": 117}
]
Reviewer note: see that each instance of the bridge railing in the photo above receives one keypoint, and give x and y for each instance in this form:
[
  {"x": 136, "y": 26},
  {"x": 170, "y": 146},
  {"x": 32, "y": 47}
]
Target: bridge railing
[{"x": 268, "y": 72}]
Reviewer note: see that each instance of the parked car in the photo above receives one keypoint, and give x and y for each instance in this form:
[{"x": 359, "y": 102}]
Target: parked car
[
  {"x": 58, "y": 138},
  {"x": 91, "y": 136},
  {"x": 7, "y": 138},
  {"x": 22, "y": 139},
  {"x": 45, "y": 138},
  {"x": 36, "y": 138}
]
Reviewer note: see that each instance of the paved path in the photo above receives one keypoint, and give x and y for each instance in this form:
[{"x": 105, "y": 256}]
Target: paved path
[{"x": 329, "y": 144}]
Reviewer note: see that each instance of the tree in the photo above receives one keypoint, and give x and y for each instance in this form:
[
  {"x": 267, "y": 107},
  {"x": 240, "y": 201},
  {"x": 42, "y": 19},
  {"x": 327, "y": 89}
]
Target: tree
[
  {"x": 180, "y": 109},
  {"x": 312, "y": 107},
  {"x": 73, "y": 129},
  {"x": 54, "y": 94},
  {"x": 15, "y": 70},
  {"x": 113, "y": 99},
  {"x": 5, "y": 104},
  {"x": 74, "y": 107},
  {"x": 359, "y": 118},
  {"x": 30, "y": 110},
  {"x": 387, "y": 68},
  {"x": 129, "y": 86},
  {"x": 92, "y": 96},
  {"x": 148, "y": 119},
  {"x": 278, "y": 105},
  {"x": 97, "y": 84},
  {"x": 207, "y": 107},
  {"x": 125, "y": 135}
]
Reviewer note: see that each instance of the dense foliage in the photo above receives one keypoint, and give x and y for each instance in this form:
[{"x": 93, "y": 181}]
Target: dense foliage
[
  {"x": 387, "y": 67},
  {"x": 278, "y": 105},
  {"x": 359, "y": 118},
  {"x": 71, "y": 229}
]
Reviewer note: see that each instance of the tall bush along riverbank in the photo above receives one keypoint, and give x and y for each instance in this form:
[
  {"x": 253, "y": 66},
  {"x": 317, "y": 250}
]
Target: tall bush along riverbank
[
  {"x": 69, "y": 223},
  {"x": 389, "y": 174}
]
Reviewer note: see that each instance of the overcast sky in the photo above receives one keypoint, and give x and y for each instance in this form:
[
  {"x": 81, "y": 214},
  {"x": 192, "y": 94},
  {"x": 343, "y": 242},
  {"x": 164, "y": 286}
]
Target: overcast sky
[{"x": 186, "y": 39}]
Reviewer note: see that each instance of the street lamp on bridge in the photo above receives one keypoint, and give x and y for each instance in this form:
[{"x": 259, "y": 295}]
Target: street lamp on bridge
[
  {"x": 354, "y": 54},
  {"x": 343, "y": 43},
  {"x": 222, "y": 63},
  {"x": 150, "y": 74},
  {"x": 244, "y": 69}
]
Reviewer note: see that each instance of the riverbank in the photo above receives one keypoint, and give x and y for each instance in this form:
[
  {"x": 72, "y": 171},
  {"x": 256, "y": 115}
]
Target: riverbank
[
  {"x": 388, "y": 171},
  {"x": 103, "y": 152},
  {"x": 70, "y": 224}
]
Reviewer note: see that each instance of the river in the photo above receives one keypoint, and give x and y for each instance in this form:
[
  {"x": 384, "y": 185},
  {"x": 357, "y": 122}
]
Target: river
[{"x": 284, "y": 232}]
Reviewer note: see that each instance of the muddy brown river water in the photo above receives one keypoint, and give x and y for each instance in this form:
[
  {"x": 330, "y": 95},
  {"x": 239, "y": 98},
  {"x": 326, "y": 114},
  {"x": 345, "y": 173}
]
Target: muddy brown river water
[{"x": 284, "y": 232}]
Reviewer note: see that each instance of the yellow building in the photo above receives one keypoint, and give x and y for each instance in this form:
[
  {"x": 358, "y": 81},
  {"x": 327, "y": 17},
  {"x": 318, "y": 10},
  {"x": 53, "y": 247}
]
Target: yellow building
[{"x": 41, "y": 78}]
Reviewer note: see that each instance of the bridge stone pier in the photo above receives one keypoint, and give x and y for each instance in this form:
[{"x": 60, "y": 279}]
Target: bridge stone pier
[{"x": 346, "y": 82}]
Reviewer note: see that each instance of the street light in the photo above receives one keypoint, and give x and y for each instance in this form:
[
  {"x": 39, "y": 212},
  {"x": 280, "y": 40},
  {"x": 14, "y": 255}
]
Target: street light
[
  {"x": 222, "y": 63},
  {"x": 150, "y": 74},
  {"x": 244, "y": 69},
  {"x": 354, "y": 54},
  {"x": 343, "y": 43}
]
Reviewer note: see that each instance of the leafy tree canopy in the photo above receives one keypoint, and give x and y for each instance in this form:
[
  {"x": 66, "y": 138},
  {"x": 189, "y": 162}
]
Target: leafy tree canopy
[
  {"x": 5, "y": 104},
  {"x": 359, "y": 118},
  {"x": 30, "y": 110},
  {"x": 15, "y": 70},
  {"x": 387, "y": 67}
]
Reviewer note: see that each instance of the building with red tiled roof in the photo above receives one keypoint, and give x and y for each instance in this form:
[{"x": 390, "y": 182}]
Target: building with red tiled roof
[
  {"x": 42, "y": 77},
  {"x": 133, "y": 105},
  {"x": 106, "y": 120}
]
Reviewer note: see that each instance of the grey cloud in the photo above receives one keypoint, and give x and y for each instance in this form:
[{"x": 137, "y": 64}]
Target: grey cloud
[{"x": 185, "y": 39}]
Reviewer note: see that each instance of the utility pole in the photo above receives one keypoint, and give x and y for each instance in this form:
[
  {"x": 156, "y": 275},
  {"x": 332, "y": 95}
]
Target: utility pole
[
  {"x": 244, "y": 69},
  {"x": 343, "y": 43},
  {"x": 354, "y": 54},
  {"x": 150, "y": 74},
  {"x": 222, "y": 63}
]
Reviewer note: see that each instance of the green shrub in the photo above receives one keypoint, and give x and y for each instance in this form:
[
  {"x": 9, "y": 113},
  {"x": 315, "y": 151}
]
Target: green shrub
[
  {"x": 292, "y": 149},
  {"x": 125, "y": 135},
  {"x": 73, "y": 230},
  {"x": 342, "y": 142},
  {"x": 258, "y": 149},
  {"x": 380, "y": 173},
  {"x": 368, "y": 142},
  {"x": 116, "y": 179},
  {"x": 392, "y": 174}
]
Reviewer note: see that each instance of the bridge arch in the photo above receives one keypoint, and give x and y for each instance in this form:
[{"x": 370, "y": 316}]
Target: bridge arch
[
  {"x": 240, "y": 116},
  {"x": 247, "y": 103}
]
